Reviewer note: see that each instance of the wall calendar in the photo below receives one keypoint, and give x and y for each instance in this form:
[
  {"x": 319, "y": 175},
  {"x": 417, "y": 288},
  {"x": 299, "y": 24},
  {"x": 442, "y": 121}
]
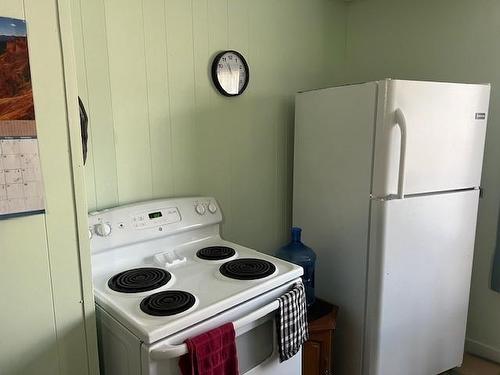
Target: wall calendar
[{"x": 21, "y": 187}]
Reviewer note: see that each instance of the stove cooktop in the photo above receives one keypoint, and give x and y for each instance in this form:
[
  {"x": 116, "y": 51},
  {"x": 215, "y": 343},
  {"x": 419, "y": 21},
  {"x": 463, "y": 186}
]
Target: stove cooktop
[
  {"x": 145, "y": 312},
  {"x": 173, "y": 302}
]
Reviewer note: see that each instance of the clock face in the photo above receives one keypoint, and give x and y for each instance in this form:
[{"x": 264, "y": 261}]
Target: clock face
[{"x": 230, "y": 73}]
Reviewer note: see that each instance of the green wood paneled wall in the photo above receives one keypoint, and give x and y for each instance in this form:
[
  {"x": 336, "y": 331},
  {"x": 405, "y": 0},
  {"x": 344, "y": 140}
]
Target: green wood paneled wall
[{"x": 159, "y": 129}]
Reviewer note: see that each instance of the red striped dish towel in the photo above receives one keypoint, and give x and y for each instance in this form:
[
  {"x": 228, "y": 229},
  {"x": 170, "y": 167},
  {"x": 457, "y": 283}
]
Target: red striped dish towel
[{"x": 211, "y": 353}]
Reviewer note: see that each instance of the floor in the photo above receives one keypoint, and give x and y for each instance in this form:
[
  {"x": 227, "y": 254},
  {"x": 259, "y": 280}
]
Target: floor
[{"x": 476, "y": 366}]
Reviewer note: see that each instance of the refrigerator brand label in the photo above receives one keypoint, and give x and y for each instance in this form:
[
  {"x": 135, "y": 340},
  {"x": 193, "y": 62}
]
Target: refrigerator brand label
[{"x": 480, "y": 116}]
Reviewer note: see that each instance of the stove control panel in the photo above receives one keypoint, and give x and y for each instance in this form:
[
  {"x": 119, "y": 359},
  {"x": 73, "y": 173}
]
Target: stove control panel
[
  {"x": 145, "y": 221},
  {"x": 161, "y": 216}
]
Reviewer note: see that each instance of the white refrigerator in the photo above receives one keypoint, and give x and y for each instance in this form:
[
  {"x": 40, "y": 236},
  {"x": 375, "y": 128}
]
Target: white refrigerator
[{"x": 386, "y": 189}]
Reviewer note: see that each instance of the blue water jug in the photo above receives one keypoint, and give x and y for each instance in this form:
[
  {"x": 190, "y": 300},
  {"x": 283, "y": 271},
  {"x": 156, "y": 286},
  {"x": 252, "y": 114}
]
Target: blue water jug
[{"x": 298, "y": 253}]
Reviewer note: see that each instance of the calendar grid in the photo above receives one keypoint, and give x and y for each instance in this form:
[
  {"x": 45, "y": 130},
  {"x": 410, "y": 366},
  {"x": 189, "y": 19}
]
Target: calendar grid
[{"x": 21, "y": 189}]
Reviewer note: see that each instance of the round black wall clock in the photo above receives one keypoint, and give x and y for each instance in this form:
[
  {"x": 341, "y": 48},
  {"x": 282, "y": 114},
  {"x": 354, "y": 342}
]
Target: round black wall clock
[{"x": 230, "y": 73}]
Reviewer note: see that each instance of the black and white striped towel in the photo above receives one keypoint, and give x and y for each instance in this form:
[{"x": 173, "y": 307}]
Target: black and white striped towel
[{"x": 292, "y": 321}]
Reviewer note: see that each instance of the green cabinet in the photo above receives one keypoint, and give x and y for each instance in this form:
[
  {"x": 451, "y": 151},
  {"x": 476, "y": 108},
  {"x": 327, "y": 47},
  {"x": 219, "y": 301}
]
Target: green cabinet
[{"x": 47, "y": 315}]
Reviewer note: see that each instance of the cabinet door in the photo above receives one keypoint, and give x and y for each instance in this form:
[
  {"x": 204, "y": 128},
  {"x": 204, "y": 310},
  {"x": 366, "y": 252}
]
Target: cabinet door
[
  {"x": 50, "y": 309},
  {"x": 317, "y": 354},
  {"x": 312, "y": 358}
]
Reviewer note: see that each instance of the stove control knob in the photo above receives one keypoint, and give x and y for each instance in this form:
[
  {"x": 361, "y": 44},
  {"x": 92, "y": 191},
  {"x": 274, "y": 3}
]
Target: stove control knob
[
  {"x": 103, "y": 229},
  {"x": 212, "y": 208},
  {"x": 200, "y": 209}
]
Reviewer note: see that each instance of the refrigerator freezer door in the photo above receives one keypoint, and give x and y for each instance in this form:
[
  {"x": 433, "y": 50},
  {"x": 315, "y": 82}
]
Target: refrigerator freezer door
[
  {"x": 420, "y": 262},
  {"x": 445, "y": 134}
]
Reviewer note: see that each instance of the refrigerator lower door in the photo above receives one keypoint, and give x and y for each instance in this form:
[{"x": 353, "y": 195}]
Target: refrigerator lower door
[{"x": 420, "y": 261}]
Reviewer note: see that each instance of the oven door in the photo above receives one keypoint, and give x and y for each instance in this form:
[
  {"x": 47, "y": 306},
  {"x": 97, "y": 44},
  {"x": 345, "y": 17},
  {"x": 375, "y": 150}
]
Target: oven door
[{"x": 256, "y": 341}]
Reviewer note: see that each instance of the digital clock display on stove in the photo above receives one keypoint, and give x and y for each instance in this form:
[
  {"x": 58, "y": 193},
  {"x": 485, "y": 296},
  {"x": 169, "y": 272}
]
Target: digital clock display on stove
[{"x": 155, "y": 215}]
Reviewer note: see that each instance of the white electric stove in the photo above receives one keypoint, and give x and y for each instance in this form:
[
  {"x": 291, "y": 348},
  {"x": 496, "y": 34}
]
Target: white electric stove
[{"x": 162, "y": 273}]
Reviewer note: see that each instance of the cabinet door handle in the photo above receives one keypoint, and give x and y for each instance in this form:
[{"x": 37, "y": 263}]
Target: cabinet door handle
[{"x": 84, "y": 125}]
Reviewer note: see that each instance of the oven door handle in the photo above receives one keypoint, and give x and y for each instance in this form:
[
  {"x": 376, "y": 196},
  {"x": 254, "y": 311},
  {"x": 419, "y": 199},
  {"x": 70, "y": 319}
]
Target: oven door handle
[{"x": 241, "y": 326}]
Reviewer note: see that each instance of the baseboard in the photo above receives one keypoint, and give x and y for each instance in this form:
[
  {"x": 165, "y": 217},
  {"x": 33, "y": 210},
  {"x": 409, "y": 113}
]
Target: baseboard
[{"x": 482, "y": 350}]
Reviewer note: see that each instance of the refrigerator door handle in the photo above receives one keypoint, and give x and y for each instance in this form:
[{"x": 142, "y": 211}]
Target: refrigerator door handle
[{"x": 401, "y": 123}]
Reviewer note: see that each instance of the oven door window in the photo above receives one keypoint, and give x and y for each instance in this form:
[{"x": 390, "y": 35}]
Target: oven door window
[{"x": 255, "y": 346}]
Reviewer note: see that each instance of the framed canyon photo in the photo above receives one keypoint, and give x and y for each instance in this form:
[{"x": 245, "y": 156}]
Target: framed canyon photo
[{"x": 21, "y": 187}]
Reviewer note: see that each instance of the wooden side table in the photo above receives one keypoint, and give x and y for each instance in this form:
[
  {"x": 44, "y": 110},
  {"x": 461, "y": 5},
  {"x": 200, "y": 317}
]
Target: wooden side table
[{"x": 317, "y": 351}]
